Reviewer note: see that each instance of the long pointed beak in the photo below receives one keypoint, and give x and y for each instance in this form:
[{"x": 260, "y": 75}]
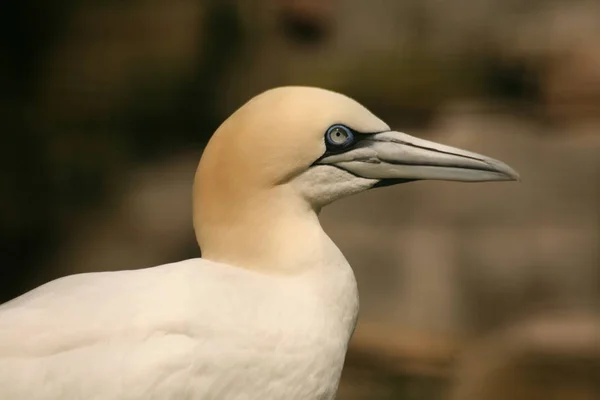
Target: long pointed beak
[{"x": 397, "y": 157}]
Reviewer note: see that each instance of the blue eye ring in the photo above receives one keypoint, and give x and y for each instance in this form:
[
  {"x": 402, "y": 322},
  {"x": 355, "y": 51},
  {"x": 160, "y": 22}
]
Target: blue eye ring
[{"x": 339, "y": 136}]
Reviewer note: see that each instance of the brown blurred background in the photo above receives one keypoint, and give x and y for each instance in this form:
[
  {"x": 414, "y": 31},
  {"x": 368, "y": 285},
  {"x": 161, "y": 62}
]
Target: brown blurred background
[{"x": 486, "y": 291}]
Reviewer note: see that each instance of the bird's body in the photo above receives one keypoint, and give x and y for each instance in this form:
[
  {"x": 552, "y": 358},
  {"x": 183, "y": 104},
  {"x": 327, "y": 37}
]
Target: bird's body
[
  {"x": 269, "y": 311},
  {"x": 189, "y": 330}
]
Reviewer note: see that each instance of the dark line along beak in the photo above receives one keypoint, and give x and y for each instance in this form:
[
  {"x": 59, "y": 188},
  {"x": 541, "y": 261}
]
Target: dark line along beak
[{"x": 395, "y": 157}]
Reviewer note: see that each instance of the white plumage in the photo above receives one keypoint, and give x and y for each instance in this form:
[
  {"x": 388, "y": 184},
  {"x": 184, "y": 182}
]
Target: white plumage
[
  {"x": 269, "y": 311},
  {"x": 193, "y": 329}
]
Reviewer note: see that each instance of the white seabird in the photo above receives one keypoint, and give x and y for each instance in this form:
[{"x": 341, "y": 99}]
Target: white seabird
[{"x": 269, "y": 310}]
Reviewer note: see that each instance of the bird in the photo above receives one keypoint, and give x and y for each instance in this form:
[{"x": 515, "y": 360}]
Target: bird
[{"x": 269, "y": 309}]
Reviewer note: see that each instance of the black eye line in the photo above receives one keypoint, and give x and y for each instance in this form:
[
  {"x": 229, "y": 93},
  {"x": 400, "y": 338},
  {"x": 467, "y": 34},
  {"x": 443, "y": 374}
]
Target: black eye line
[{"x": 358, "y": 137}]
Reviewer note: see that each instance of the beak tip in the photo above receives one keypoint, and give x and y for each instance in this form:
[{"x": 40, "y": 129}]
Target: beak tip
[
  {"x": 514, "y": 176},
  {"x": 505, "y": 170}
]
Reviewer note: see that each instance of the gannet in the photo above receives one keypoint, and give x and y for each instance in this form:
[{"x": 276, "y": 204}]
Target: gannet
[{"x": 268, "y": 311}]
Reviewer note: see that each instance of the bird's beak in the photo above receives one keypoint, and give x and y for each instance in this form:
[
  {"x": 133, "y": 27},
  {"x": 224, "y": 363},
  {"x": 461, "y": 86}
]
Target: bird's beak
[{"x": 395, "y": 157}]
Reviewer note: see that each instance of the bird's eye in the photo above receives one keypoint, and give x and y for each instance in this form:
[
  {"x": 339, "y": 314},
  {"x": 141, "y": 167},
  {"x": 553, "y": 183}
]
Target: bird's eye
[{"x": 339, "y": 136}]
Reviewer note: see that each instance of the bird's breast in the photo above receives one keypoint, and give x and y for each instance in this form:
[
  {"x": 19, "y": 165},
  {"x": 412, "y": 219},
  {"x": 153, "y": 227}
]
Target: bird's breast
[{"x": 290, "y": 341}]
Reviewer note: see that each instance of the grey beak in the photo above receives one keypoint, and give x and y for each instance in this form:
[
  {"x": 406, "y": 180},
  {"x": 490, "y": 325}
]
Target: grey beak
[{"x": 397, "y": 156}]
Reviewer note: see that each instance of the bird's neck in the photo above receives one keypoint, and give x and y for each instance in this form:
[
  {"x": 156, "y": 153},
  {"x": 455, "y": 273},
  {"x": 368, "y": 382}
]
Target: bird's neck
[
  {"x": 277, "y": 233},
  {"x": 272, "y": 231}
]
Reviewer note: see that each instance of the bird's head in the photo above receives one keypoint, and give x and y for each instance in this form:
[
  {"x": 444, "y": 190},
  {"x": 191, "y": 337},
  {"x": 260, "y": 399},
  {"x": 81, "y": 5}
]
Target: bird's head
[{"x": 303, "y": 148}]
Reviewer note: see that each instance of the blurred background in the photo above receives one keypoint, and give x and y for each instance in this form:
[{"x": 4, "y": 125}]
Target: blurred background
[{"x": 486, "y": 291}]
